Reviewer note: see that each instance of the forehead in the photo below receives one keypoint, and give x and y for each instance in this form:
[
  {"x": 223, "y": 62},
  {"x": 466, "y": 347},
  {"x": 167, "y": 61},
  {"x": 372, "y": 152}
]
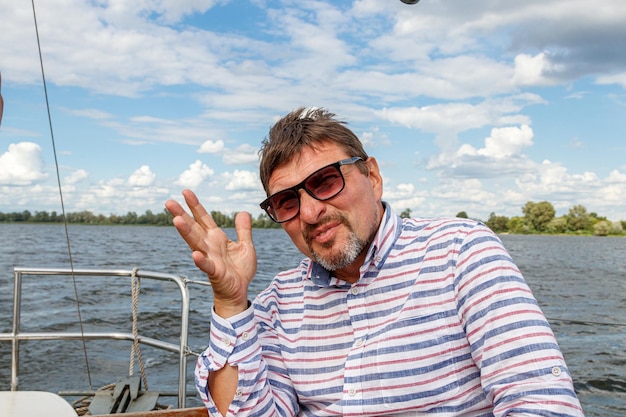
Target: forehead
[{"x": 304, "y": 164}]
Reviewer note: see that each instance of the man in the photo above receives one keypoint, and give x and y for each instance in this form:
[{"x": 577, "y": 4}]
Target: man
[{"x": 384, "y": 316}]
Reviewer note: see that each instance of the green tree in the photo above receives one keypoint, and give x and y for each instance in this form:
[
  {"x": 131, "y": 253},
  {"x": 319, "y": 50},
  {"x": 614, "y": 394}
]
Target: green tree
[
  {"x": 498, "y": 224},
  {"x": 538, "y": 215},
  {"x": 406, "y": 214},
  {"x": 41, "y": 216},
  {"x": 602, "y": 228},
  {"x": 462, "y": 215},
  {"x": 578, "y": 218},
  {"x": 517, "y": 224},
  {"x": 558, "y": 225}
]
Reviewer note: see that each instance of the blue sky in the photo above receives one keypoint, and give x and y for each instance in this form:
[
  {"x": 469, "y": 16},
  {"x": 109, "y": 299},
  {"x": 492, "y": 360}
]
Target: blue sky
[{"x": 467, "y": 105}]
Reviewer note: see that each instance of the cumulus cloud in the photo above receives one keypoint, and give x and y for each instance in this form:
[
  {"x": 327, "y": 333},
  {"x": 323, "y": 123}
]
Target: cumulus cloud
[
  {"x": 194, "y": 175},
  {"x": 76, "y": 177},
  {"x": 553, "y": 178},
  {"x": 212, "y": 146},
  {"x": 22, "y": 164},
  {"x": 502, "y": 155},
  {"x": 242, "y": 180},
  {"x": 534, "y": 70},
  {"x": 142, "y": 177},
  {"x": 503, "y": 143},
  {"x": 243, "y": 154},
  {"x": 619, "y": 78}
]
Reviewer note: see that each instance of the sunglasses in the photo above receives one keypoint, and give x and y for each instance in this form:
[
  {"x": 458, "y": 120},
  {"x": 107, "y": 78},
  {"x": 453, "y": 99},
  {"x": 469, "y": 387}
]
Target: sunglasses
[{"x": 322, "y": 185}]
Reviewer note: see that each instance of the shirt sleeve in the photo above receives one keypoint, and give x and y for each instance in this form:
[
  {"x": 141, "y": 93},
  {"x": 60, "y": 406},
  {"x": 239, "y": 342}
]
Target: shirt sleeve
[
  {"x": 235, "y": 342},
  {"x": 522, "y": 369}
]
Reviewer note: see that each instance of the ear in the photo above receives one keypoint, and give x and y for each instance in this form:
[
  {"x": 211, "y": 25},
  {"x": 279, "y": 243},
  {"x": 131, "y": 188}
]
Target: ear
[{"x": 375, "y": 177}]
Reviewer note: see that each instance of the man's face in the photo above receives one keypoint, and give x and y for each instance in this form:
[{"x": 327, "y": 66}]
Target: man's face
[{"x": 334, "y": 232}]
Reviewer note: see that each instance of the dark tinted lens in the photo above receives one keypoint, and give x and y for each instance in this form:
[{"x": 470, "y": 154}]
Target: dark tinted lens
[
  {"x": 284, "y": 205},
  {"x": 325, "y": 183}
]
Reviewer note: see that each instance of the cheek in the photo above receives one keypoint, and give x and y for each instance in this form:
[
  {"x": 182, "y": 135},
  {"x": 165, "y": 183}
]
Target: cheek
[
  {"x": 293, "y": 231},
  {"x": 364, "y": 212}
]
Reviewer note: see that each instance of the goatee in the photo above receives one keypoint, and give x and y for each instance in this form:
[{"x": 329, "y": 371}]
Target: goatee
[{"x": 343, "y": 256}]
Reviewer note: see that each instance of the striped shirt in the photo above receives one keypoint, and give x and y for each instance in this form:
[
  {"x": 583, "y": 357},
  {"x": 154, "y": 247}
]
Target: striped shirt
[{"x": 440, "y": 323}]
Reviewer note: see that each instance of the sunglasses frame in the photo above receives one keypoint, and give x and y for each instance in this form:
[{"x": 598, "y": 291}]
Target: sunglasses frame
[{"x": 265, "y": 205}]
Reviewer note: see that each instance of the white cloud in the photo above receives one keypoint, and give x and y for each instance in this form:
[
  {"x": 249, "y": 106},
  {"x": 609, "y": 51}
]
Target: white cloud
[
  {"x": 211, "y": 146},
  {"x": 619, "y": 78},
  {"x": 76, "y": 177},
  {"x": 242, "y": 180},
  {"x": 195, "y": 175},
  {"x": 22, "y": 164},
  {"x": 243, "y": 154},
  {"x": 553, "y": 178},
  {"x": 503, "y": 143},
  {"x": 531, "y": 70},
  {"x": 142, "y": 177}
]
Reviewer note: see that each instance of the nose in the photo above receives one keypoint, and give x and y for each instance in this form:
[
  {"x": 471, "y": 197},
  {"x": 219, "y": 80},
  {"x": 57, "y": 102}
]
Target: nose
[{"x": 311, "y": 209}]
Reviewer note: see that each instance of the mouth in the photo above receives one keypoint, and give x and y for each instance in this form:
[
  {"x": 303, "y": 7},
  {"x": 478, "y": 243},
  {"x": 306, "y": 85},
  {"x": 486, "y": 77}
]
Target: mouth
[
  {"x": 325, "y": 234},
  {"x": 322, "y": 234}
]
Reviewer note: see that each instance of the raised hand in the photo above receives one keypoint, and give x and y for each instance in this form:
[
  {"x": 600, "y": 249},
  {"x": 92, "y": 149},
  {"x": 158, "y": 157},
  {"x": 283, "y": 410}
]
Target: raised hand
[{"x": 230, "y": 265}]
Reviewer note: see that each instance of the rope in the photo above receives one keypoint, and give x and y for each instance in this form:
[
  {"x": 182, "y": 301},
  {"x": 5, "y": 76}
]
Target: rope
[
  {"x": 56, "y": 164},
  {"x": 135, "y": 283}
]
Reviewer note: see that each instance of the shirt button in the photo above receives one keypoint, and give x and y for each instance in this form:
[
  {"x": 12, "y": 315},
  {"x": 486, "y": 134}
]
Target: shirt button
[
  {"x": 226, "y": 341},
  {"x": 239, "y": 393},
  {"x": 358, "y": 342},
  {"x": 354, "y": 291},
  {"x": 556, "y": 371},
  {"x": 245, "y": 335},
  {"x": 352, "y": 392}
]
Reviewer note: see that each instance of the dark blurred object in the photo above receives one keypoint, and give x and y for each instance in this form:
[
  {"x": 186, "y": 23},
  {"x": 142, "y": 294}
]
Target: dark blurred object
[
  {"x": 1, "y": 99},
  {"x": 410, "y": 1}
]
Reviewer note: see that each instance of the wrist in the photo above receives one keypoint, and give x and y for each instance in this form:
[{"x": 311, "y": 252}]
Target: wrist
[{"x": 226, "y": 309}]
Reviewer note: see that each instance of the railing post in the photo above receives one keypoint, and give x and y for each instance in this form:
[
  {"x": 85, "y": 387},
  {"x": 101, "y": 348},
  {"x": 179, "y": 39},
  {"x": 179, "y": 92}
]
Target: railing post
[
  {"x": 15, "y": 353},
  {"x": 182, "y": 355}
]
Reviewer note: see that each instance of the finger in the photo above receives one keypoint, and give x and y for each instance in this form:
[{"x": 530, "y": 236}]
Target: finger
[
  {"x": 243, "y": 226},
  {"x": 203, "y": 263},
  {"x": 199, "y": 212},
  {"x": 174, "y": 208},
  {"x": 190, "y": 230}
]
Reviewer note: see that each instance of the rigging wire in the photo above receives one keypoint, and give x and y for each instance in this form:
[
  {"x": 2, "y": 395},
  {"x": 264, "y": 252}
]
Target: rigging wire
[{"x": 67, "y": 235}]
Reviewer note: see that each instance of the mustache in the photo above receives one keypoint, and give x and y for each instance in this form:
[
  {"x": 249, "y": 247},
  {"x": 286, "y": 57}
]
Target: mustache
[{"x": 310, "y": 228}]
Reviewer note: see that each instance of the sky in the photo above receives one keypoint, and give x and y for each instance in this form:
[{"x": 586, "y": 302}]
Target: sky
[{"x": 467, "y": 105}]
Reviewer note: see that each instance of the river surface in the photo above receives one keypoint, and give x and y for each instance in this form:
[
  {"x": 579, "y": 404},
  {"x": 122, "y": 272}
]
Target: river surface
[{"x": 580, "y": 283}]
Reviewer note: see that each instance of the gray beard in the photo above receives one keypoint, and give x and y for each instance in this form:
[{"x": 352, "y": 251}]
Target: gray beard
[{"x": 345, "y": 256}]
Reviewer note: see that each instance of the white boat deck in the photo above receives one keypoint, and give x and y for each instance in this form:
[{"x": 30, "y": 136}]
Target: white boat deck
[{"x": 34, "y": 403}]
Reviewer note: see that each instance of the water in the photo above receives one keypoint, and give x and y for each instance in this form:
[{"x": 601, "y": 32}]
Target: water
[{"x": 580, "y": 282}]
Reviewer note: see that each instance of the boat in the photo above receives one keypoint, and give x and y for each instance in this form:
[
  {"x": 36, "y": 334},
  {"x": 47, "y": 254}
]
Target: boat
[{"x": 125, "y": 395}]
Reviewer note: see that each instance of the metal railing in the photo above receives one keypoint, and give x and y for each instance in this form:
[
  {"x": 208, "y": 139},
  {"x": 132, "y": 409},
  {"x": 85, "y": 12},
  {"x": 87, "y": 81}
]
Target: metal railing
[{"x": 16, "y": 335}]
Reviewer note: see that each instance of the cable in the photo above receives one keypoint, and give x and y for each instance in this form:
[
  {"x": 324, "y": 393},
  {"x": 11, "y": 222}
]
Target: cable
[{"x": 56, "y": 164}]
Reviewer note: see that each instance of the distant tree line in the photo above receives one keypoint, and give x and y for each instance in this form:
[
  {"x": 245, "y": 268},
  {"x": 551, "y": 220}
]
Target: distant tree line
[
  {"x": 131, "y": 218},
  {"x": 537, "y": 218},
  {"x": 541, "y": 218}
]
